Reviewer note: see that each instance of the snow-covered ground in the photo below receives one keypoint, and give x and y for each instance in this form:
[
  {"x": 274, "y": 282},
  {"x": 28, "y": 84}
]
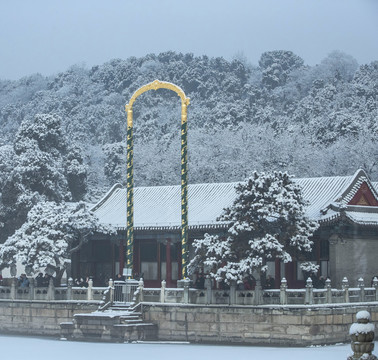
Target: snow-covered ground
[{"x": 19, "y": 348}]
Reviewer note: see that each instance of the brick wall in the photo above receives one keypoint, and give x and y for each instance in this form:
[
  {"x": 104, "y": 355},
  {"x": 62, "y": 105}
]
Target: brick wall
[
  {"x": 353, "y": 257},
  {"x": 259, "y": 325},
  {"x": 39, "y": 317},
  {"x": 297, "y": 326}
]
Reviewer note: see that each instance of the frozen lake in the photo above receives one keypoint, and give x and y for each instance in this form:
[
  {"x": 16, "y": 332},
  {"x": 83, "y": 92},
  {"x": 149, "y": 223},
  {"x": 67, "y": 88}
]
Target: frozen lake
[{"x": 19, "y": 348}]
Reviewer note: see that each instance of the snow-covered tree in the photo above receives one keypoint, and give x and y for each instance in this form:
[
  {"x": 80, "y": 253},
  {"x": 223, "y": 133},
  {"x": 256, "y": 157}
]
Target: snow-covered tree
[
  {"x": 276, "y": 66},
  {"x": 326, "y": 103},
  {"x": 51, "y": 233},
  {"x": 115, "y": 164},
  {"x": 266, "y": 221},
  {"x": 76, "y": 173},
  {"x": 44, "y": 168}
]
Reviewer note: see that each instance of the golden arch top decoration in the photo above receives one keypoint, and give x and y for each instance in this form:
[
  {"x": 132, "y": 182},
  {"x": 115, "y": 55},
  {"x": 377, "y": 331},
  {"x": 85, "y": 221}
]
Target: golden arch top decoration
[{"x": 155, "y": 85}]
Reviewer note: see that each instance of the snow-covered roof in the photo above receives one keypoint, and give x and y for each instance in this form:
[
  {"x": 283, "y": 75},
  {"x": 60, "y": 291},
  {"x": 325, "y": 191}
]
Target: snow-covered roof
[{"x": 159, "y": 207}]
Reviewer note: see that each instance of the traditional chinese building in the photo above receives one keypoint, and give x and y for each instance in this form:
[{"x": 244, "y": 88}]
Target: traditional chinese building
[{"x": 346, "y": 243}]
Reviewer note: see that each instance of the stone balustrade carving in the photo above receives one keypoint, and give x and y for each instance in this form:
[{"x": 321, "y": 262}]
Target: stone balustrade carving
[{"x": 186, "y": 294}]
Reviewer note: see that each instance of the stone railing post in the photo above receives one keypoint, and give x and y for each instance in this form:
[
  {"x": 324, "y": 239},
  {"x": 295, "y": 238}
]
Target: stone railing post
[
  {"x": 162, "y": 291},
  {"x": 141, "y": 287},
  {"x": 51, "y": 290},
  {"x": 208, "y": 289},
  {"x": 309, "y": 297},
  {"x": 186, "y": 298},
  {"x": 375, "y": 285},
  {"x": 90, "y": 290},
  {"x": 13, "y": 289},
  {"x": 111, "y": 288},
  {"x": 233, "y": 292},
  {"x": 31, "y": 289},
  {"x": 329, "y": 291},
  {"x": 69, "y": 289},
  {"x": 345, "y": 287},
  {"x": 258, "y": 293},
  {"x": 361, "y": 285},
  {"x": 283, "y": 293}
]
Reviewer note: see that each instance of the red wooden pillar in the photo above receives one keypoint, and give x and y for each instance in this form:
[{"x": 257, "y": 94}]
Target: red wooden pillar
[
  {"x": 289, "y": 272},
  {"x": 121, "y": 257},
  {"x": 168, "y": 263}
]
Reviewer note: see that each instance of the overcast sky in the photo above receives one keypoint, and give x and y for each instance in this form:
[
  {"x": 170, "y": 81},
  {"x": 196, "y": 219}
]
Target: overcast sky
[{"x": 48, "y": 36}]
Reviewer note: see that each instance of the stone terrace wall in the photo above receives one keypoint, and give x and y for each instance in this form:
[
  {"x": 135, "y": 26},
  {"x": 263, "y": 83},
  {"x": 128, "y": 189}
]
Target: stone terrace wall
[
  {"x": 39, "y": 318},
  {"x": 281, "y": 325}
]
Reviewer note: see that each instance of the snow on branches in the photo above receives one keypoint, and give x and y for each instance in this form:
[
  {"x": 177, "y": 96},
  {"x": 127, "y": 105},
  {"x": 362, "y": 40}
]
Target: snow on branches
[
  {"x": 266, "y": 221},
  {"x": 309, "y": 268},
  {"x": 51, "y": 233}
]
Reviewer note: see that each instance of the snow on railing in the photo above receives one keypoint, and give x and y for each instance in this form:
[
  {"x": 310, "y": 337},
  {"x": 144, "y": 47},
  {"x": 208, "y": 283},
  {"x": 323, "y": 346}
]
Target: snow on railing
[
  {"x": 51, "y": 292},
  {"x": 258, "y": 296},
  {"x": 133, "y": 292}
]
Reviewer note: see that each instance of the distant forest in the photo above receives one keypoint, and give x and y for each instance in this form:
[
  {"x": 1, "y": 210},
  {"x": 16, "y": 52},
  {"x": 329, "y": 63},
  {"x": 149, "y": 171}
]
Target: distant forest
[{"x": 64, "y": 136}]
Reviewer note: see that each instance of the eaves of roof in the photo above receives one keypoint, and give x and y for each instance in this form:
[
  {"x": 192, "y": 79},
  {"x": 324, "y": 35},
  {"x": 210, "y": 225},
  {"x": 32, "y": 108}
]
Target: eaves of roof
[{"x": 158, "y": 208}]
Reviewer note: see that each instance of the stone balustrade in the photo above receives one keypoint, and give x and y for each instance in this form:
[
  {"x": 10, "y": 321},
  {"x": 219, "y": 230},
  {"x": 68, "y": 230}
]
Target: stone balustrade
[
  {"x": 50, "y": 293},
  {"x": 136, "y": 292},
  {"x": 283, "y": 296}
]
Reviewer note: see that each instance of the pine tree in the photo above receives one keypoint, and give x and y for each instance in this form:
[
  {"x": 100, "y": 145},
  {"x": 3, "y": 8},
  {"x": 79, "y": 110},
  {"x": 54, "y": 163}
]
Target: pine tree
[
  {"x": 266, "y": 221},
  {"x": 44, "y": 168},
  {"x": 51, "y": 233}
]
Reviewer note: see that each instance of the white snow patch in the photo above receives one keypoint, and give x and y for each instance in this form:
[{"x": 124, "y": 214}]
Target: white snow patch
[
  {"x": 363, "y": 314},
  {"x": 14, "y": 347},
  {"x": 361, "y": 328}
]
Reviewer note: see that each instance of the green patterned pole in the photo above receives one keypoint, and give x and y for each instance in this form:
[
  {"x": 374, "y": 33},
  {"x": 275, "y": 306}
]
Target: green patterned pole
[
  {"x": 130, "y": 190},
  {"x": 184, "y": 190}
]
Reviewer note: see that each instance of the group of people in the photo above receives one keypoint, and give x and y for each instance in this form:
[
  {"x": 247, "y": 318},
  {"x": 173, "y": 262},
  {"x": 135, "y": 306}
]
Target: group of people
[
  {"x": 249, "y": 283},
  {"x": 23, "y": 281},
  {"x": 81, "y": 282},
  {"x": 42, "y": 280}
]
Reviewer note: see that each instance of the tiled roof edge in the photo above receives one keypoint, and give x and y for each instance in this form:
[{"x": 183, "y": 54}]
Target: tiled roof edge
[
  {"x": 361, "y": 223},
  {"x": 178, "y": 228},
  {"x": 106, "y": 196}
]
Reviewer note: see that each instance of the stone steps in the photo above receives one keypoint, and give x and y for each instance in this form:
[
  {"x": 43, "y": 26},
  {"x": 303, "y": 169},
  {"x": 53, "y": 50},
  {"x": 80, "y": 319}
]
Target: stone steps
[
  {"x": 135, "y": 321},
  {"x": 112, "y": 325},
  {"x": 120, "y": 308},
  {"x": 135, "y": 332}
]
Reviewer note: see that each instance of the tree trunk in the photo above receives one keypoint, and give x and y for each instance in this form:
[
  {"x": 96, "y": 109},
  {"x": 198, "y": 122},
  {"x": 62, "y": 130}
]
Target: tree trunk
[{"x": 59, "y": 275}]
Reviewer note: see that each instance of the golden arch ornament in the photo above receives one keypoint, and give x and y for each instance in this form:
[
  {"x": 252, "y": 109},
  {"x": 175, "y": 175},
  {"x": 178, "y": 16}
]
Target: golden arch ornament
[{"x": 155, "y": 85}]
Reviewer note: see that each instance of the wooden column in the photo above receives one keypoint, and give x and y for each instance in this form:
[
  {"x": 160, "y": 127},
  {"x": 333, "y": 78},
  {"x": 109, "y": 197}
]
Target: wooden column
[
  {"x": 168, "y": 263},
  {"x": 121, "y": 257}
]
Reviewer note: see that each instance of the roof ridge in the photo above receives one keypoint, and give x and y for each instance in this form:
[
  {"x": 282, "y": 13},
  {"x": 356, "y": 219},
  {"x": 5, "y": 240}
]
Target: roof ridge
[
  {"x": 351, "y": 189},
  {"x": 106, "y": 196}
]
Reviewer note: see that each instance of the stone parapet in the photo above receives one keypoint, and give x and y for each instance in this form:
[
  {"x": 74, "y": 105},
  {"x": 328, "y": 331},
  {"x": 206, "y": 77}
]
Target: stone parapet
[
  {"x": 41, "y": 318},
  {"x": 259, "y": 325},
  {"x": 249, "y": 325}
]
